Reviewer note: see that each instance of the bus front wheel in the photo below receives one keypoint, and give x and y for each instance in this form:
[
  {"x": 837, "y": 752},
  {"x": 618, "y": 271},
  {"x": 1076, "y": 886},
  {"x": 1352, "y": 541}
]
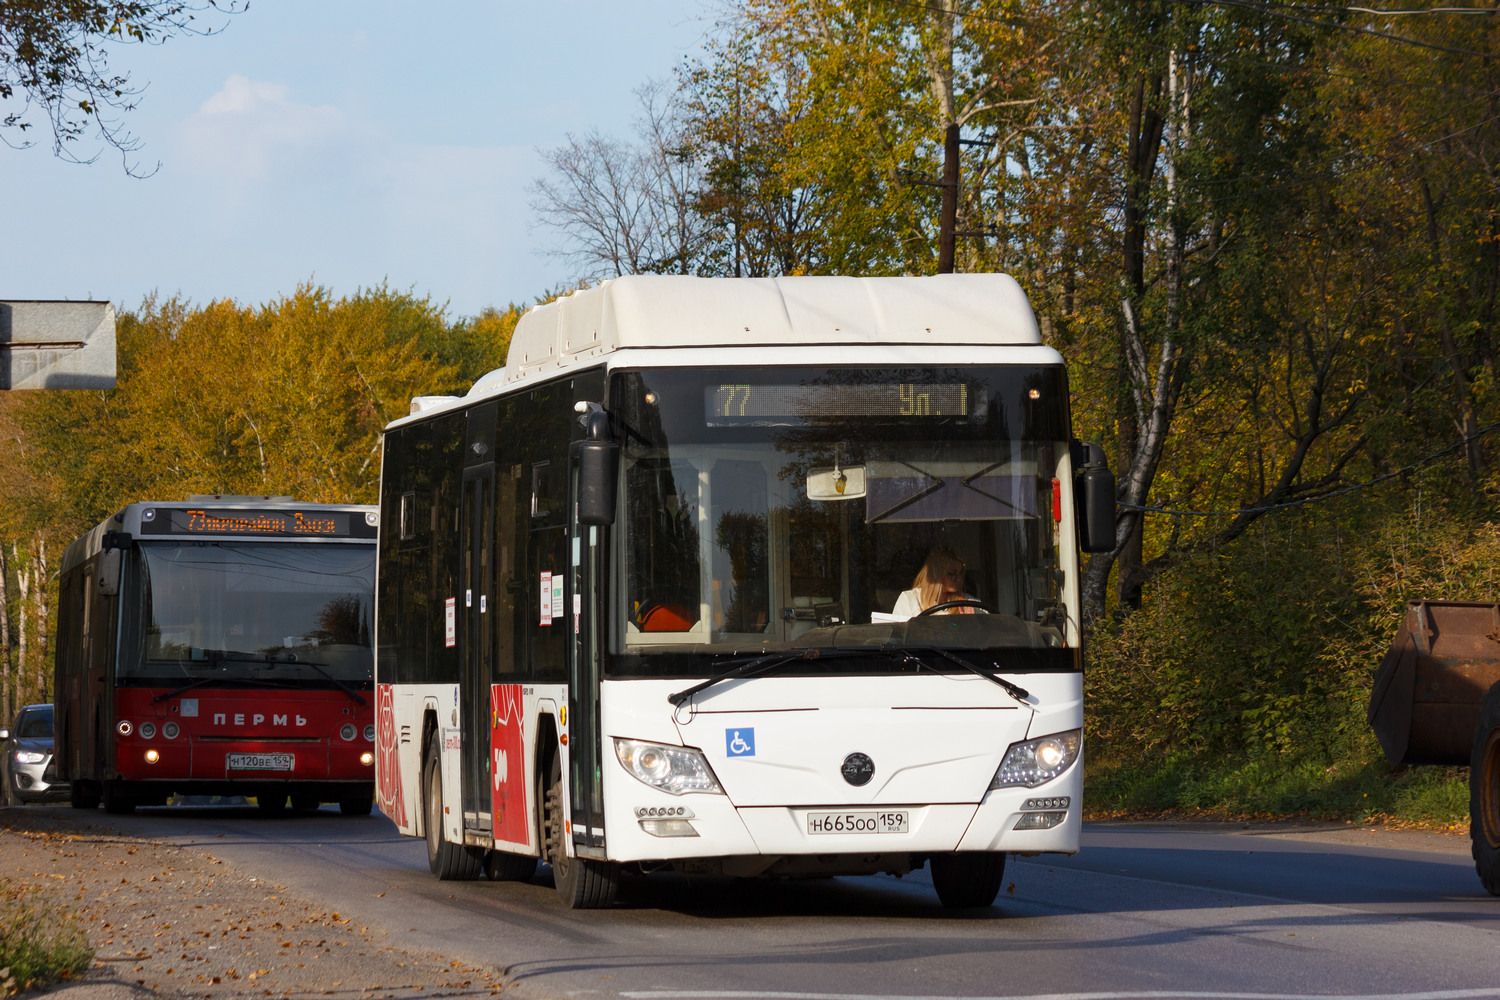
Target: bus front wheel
[
  {"x": 969, "y": 879},
  {"x": 450, "y": 862},
  {"x": 582, "y": 883}
]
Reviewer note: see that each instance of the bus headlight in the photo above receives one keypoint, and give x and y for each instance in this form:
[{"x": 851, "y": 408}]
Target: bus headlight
[
  {"x": 367, "y": 758},
  {"x": 1038, "y": 761},
  {"x": 170, "y": 730},
  {"x": 370, "y": 733},
  {"x": 674, "y": 770},
  {"x": 148, "y": 730},
  {"x": 347, "y": 731}
]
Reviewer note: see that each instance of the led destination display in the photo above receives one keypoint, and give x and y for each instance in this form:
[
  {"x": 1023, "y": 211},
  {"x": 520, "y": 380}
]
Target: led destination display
[
  {"x": 725, "y": 404},
  {"x": 291, "y": 523}
]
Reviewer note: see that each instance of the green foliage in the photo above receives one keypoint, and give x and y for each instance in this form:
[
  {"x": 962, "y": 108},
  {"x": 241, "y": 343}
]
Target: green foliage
[
  {"x": 40, "y": 941},
  {"x": 1240, "y": 686}
]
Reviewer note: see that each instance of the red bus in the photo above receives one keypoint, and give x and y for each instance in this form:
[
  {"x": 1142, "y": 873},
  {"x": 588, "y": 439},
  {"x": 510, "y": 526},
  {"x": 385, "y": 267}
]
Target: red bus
[{"x": 219, "y": 646}]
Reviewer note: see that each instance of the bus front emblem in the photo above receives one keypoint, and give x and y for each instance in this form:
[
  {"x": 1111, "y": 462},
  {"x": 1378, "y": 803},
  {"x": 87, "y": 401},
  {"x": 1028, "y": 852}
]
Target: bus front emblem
[{"x": 858, "y": 769}]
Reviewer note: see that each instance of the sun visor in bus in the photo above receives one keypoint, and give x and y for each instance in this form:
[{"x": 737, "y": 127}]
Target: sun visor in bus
[
  {"x": 919, "y": 496},
  {"x": 836, "y": 483}
]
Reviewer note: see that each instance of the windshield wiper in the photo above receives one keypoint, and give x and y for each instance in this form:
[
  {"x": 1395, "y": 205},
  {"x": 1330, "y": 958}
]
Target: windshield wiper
[
  {"x": 1014, "y": 690},
  {"x": 292, "y": 660},
  {"x": 199, "y": 682},
  {"x": 234, "y": 656},
  {"x": 768, "y": 662}
]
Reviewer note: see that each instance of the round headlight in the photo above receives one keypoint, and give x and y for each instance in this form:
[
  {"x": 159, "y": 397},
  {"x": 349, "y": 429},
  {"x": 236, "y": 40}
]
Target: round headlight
[
  {"x": 347, "y": 732},
  {"x": 148, "y": 730},
  {"x": 652, "y": 764},
  {"x": 370, "y": 733},
  {"x": 1051, "y": 753},
  {"x": 152, "y": 756},
  {"x": 170, "y": 730},
  {"x": 124, "y": 728}
]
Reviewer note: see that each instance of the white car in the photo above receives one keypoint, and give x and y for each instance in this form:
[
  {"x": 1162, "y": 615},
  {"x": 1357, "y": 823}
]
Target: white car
[{"x": 26, "y": 763}]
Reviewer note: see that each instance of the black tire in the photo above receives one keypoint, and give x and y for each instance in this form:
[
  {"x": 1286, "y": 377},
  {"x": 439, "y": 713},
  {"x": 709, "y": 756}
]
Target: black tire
[
  {"x": 357, "y": 805},
  {"x": 502, "y": 866},
  {"x": 1484, "y": 793},
  {"x": 117, "y": 798},
  {"x": 450, "y": 862},
  {"x": 582, "y": 883},
  {"x": 967, "y": 880},
  {"x": 83, "y": 795}
]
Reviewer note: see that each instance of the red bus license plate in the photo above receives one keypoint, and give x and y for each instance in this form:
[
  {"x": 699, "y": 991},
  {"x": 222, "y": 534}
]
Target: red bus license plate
[{"x": 258, "y": 761}]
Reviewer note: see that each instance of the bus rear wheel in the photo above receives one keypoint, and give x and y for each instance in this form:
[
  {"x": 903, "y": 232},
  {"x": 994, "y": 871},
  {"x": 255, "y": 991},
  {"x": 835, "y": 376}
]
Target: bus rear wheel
[
  {"x": 450, "y": 862},
  {"x": 117, "y": 798},
  {"x": 969, "y": 879},
  {"x": 1484, "y": 793},
  {"x": 582, "y": 883},
  {"x": 83, "y": 794}
]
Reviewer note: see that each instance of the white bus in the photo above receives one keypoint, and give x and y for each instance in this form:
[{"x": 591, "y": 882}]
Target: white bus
[{"x": 752, "y": 577}]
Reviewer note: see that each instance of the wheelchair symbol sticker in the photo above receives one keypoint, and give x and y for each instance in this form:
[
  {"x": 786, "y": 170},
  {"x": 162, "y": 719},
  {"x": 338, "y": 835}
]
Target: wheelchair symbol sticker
[{"x": 739, "y": 742}]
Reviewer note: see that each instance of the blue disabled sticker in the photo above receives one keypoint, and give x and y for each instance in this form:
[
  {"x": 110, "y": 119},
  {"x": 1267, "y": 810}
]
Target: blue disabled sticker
[{"x": 739, "y": 742}]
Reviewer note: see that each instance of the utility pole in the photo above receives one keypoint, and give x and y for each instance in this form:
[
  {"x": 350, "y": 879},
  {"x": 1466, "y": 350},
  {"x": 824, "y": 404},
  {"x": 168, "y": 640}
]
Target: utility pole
[{"x": 948, "y": 218}]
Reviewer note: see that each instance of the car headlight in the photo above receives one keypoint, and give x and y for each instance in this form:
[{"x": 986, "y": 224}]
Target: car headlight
[
  {"x": 1036, "y": 762},
  {"x": 29, "y": 757},
  {"x": 675, "y": 770}
]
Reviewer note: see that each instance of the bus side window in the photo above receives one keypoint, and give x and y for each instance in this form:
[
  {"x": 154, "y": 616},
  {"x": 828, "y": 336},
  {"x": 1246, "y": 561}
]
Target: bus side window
[{"x": 665, "y": 569}]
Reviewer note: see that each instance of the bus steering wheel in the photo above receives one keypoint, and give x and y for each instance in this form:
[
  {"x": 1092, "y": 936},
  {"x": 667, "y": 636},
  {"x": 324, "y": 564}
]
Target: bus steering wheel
[{"x": 965, "y": 603}]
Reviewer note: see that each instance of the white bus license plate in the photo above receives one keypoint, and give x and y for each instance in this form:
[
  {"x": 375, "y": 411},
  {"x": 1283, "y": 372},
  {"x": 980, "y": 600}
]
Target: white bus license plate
[
  {"x": 889, "y": 821},
  {"x": 258, "y": 761}
]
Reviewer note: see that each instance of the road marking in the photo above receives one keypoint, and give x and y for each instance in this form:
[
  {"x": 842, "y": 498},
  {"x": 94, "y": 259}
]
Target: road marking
[{"x": 1488, "y": 991}]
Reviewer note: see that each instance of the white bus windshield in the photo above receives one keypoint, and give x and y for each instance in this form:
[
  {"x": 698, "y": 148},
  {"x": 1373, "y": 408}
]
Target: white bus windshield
[
  {"x": 782, "y": 509},
  {"x": 253, "y": 611}
]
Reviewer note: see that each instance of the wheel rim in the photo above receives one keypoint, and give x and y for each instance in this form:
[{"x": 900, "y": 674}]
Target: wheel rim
[
  {"x": 1489, "y": 789},
  {"x": 434, "y": 813}
]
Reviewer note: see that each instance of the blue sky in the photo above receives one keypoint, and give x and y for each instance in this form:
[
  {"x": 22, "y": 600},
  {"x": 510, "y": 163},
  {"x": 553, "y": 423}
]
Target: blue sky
[{"x": 342, "y": 142}]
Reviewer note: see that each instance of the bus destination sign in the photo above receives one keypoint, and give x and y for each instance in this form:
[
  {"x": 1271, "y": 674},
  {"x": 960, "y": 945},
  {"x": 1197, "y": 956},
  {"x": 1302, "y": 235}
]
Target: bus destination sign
[{"x": 257, "y": 523}]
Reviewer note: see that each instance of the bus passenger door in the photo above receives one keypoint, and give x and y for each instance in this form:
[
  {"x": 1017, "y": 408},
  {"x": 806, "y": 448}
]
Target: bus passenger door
[
  {"x": 476, "y": 614},
  {"x": 582, "y": 615}
]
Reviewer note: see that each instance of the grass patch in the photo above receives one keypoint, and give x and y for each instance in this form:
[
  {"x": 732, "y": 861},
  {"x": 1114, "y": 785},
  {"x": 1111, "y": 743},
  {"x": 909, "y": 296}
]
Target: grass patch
[
  {"x": 40, "y": 940},
  {"x": 1435, "y": 798}
]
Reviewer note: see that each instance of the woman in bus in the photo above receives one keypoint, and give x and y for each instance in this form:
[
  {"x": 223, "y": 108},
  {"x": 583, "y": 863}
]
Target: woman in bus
[{"x": 941, "y": 579}]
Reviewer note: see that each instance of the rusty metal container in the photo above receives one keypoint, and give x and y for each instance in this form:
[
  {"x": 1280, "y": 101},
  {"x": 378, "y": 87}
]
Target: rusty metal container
[{"x": 1425, "y": 704}]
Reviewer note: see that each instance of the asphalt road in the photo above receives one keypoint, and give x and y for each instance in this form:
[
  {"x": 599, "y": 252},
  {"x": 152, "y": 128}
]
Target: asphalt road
[{"x": 1145, "y": 912}]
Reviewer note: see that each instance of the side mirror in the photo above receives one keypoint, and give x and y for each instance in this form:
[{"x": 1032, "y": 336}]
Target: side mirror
[
  {"x": 598, "y": 467},
  {"x": 598, "y": 475},
  {"x": 109, "y": 573},
  {"x": 1095, "y": 489}
]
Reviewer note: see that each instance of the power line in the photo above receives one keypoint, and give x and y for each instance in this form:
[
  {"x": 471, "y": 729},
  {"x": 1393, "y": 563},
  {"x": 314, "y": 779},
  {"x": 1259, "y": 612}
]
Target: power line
[{"x": 1318, "y": 498}]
